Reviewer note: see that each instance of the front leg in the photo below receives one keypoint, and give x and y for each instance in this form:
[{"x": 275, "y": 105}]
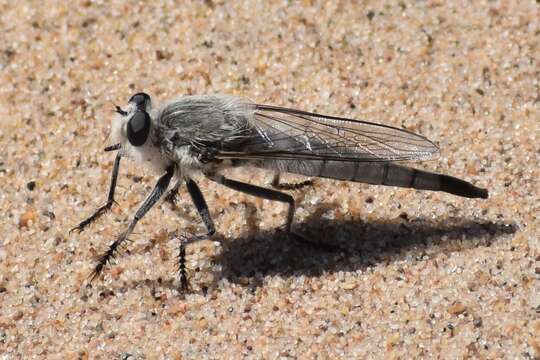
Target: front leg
[
  {"x": 155, "y": 195},
  {"x": 110, "y": 199}
]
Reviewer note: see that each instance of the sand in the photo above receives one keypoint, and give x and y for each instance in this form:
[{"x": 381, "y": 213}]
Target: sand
[{"x": 416, "y": 274}]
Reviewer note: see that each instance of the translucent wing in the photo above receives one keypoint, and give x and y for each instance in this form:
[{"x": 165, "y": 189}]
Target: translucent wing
[{"x": 287, "y": 134}]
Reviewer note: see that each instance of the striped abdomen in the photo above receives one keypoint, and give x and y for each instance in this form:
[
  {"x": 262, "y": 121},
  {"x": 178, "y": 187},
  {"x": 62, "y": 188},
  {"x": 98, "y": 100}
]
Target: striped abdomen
[{"x": 378, "y": 173}]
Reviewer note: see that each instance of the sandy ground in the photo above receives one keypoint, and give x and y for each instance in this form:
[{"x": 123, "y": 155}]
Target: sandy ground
[{"x": 417, "y": 274}]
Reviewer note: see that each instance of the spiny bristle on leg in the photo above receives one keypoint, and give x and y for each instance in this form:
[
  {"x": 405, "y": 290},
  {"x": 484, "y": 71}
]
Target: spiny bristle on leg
[
  {"x": 110, "y": 254},
  {"x": 92, "y": 218},
  {"x": 182, "y": 268}
]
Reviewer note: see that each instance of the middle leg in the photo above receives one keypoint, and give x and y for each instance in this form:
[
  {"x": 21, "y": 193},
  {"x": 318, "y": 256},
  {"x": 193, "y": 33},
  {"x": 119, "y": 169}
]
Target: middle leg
[{"x": 199, "y": 202}]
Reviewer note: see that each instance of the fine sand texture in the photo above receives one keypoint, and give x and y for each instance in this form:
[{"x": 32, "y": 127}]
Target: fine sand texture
[{"x": 410, "y": 274}]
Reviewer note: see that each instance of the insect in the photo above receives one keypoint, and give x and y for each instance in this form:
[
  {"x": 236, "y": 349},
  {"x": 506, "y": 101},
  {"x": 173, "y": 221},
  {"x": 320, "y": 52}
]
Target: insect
[{"x": 207, "y": 134}]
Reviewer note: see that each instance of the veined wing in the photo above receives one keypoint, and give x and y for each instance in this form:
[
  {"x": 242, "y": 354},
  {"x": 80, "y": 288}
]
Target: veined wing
[{"x": 288, "y": 134}]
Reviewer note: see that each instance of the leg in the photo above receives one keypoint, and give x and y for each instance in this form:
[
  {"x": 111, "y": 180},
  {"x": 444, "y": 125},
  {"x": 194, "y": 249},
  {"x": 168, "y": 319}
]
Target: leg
[
  {"x": 182, "y": 266},
  {"x": 202, "y": 208},
  {"x": 173, "y": 193},
  {"x": 289, "y": 186},
  {"x": 199, "y": 202},
  {"x": 150, "y": 201},
  {"x": 269, "y": 194},
  {"x": 110, "y": 199},
  {"x": 258, "y": 191}
]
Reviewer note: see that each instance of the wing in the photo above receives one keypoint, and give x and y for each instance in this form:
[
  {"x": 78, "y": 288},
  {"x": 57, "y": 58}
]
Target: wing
[{"x": 287, "y": 134}]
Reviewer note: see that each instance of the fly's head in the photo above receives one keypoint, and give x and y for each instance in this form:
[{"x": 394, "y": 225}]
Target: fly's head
[
  {"x": 132, "y": 126},
  {"x": 131, "y": 131}
]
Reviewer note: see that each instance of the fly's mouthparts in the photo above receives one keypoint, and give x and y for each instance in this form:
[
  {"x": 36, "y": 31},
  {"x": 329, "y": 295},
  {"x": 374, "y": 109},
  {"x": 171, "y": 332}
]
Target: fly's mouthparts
[{"x": 119, "y": 110}]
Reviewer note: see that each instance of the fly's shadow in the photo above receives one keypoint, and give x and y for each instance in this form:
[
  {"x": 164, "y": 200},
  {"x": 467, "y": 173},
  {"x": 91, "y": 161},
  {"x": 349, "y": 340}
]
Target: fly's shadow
[{"x": 356, "y": 245}]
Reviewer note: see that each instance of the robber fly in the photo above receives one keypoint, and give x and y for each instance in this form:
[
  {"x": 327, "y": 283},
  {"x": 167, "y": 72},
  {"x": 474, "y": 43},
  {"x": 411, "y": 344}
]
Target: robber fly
[{"x": 207, "y": 134}]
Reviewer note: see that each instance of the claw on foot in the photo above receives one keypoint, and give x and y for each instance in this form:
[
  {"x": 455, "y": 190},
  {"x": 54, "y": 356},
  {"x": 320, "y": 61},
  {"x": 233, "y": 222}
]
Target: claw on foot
[{"x": 89, "y": 220}]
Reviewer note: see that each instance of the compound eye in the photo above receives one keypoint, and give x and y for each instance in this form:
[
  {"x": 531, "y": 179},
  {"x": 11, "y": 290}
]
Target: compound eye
[
  {"x": 141, "y": 100},
  {"x": 138, "y": 128}
]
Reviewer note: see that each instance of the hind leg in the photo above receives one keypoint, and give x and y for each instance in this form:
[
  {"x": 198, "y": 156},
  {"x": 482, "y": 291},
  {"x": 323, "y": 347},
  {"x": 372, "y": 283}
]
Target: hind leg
[{"x": 289, "y": 186}]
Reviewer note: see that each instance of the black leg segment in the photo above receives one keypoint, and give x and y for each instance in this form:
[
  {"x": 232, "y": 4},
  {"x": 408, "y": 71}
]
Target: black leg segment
[
  {"x": 258, "y": 191},
  {"x": 182, "y": 266},
  {"x": 110, "y": 199},
  {"x": 202, "y": 208},
  {"x": 155, "y": 195},
  {"x": 199, "y": 202}
]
